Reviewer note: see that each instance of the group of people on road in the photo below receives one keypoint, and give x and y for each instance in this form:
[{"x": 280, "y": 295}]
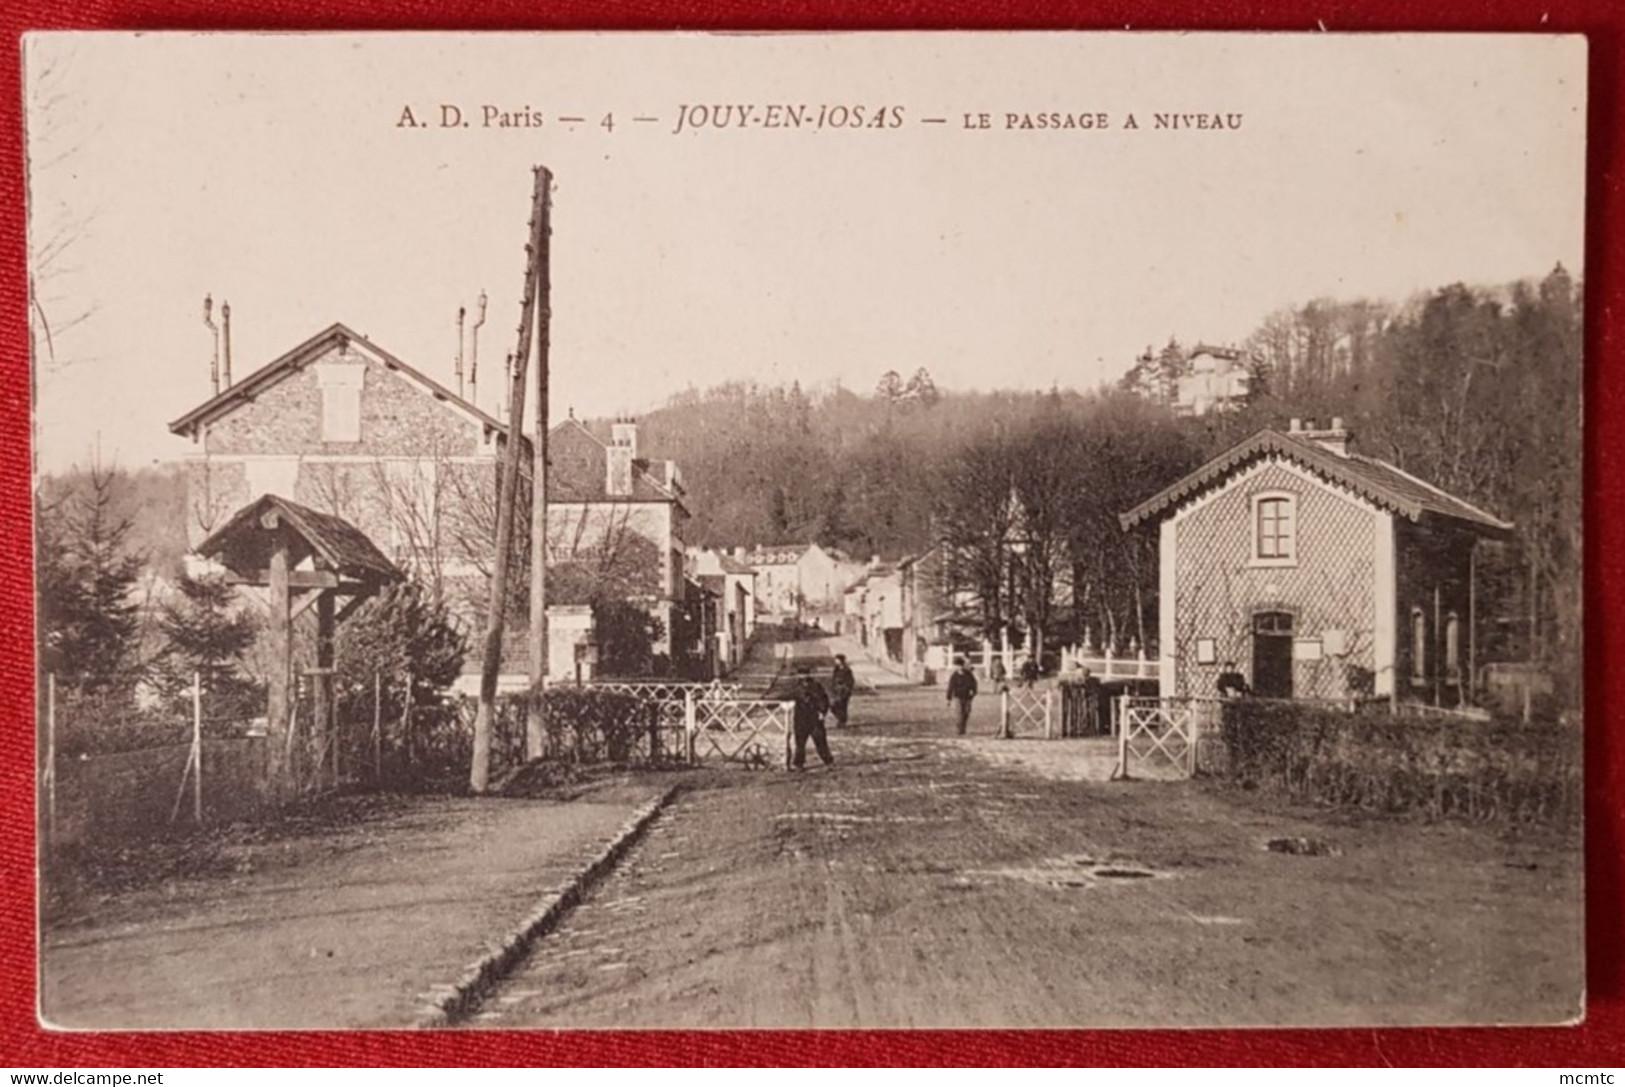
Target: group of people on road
[{"x": 813, "y": 704}]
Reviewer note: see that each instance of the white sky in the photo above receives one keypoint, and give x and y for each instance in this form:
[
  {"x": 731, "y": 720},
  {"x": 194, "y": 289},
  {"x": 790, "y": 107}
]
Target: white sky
[{"x": 270, "y": 171}]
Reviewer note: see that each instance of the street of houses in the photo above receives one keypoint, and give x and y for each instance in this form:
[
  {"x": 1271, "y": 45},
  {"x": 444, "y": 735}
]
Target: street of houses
[{"x": 930, "y": 880}]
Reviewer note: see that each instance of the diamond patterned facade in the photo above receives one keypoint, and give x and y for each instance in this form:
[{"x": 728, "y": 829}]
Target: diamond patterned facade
[{"x": 1328, "y": 589}]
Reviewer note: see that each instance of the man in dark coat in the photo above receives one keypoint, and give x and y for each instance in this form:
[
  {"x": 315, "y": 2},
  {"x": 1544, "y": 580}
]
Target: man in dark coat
[
  {"x": 841, "y": 685},
  {"x": 961, "y": 689},
  {"x": 811, "y": 705},
  {"x": 1231, "y": 683}
]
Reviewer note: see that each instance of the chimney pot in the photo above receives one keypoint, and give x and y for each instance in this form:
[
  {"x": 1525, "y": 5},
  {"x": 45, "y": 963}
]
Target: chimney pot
[
  {"x": 1296, "y": 425},
  {"x": 1337, "y": 422}
]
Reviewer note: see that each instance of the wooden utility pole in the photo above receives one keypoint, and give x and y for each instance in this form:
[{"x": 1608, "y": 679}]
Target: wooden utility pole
[
  {"x": 479, "y": 773},
  {"x": 535, "y": 733}
]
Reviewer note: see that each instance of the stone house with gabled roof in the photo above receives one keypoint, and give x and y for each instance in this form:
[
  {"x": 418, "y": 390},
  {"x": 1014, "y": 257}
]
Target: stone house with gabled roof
[
  {"x": 340, "y": 425},
  {"x": 1319, "y": 572},
  {"x": 602, "y": 494}
]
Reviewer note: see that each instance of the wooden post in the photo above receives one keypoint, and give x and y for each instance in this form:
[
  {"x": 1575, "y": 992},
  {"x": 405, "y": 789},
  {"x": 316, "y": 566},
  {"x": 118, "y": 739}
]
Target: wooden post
[
  {"x": 406, "y": 718},
  {"x": 1004, "y": 713},
  {"x": 279, "y": 640},
  {"x": 1469, "y": 690},
  {"x": 1119, "y": 714},
  {"x": 50, "y": 758},
  {"x": 321, "y": 717},
  {"x": 377, "y": 725},
  {"x": 479, "y": 772},
  {"x": 1437, "y": 664},
  {"x": 1049, "y": 715},
  {"x": 197, "y": 747},
  {"x": 535, "y": 729}
]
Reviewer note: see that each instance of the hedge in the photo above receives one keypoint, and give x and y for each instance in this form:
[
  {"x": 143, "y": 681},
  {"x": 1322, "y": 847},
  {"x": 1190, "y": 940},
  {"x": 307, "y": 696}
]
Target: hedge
[{"x": 1492, "y": 770}]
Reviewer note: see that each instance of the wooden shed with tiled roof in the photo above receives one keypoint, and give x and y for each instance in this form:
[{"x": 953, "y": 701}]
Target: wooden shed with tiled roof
[{"x": 1316, "y": 572}]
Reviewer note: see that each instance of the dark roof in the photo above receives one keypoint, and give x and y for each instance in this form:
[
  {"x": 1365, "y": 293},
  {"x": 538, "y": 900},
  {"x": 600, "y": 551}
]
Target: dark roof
[
  {"x": 731, "y": 565},
  {"x": 1376, "y": 481},
  {"x": 244, "y": 545},
  {"x": 777, "y": 554},
  {"x": 715, "y": 583},
  {"x": 279, "y": 368},
  {"x": 578, "y": 469}
]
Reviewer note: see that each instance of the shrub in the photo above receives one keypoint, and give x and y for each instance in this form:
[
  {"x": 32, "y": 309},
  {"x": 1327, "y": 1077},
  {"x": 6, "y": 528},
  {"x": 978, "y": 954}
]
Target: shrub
[
  {"x": 586, "y": 724},
  {"x": 1495, "y": 770}
]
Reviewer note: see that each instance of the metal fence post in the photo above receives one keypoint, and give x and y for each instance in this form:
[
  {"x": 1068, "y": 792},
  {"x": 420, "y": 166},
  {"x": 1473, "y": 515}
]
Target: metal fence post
[
  {"x": 197, "y": 747},
  {"x": 377, "y": 724}
]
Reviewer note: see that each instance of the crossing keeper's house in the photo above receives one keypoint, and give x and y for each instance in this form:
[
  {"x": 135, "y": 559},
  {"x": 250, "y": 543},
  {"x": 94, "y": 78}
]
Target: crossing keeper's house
[{"x": 1318, "y": 572}]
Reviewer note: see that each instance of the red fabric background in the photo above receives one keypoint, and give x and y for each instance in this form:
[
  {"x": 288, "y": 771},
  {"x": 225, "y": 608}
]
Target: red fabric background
[{"x": 1600, "y": 1041}]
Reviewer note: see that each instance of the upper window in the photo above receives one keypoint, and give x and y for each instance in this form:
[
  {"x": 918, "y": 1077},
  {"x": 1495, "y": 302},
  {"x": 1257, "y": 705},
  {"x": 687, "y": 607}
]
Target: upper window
[
  {"x": 1275, "y": 529},
  {"x": 341, "y": 386}
]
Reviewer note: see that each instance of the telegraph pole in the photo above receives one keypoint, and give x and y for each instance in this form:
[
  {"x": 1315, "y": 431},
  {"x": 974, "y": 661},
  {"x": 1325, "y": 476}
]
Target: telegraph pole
[
  {"x": 535, "y": 733},
  {"x": 479, "y": 773}
]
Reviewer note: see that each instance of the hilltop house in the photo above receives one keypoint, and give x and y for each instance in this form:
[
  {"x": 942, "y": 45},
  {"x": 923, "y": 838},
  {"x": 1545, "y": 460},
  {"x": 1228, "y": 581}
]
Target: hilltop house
[
  {"x": 342, "y": 426},
  {"x": 1215, "y": 379},
  {"x": 1320, "y": 572}
]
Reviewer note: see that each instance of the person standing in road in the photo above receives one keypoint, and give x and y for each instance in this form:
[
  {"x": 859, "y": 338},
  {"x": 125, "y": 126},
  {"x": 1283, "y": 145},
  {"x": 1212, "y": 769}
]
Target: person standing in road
[
  {"x": 811, "y": 706},
  {"x": 961, "y": 689},
  {"x": 841, "y": 685}
]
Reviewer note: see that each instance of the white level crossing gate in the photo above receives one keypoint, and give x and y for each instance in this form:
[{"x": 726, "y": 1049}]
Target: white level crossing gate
[
  {"x": 1028, "y": 711},
  {"x": 1161, "y": 737},
  {"x": 716, "y": 723},
  {"x": 755, "y": 733}
]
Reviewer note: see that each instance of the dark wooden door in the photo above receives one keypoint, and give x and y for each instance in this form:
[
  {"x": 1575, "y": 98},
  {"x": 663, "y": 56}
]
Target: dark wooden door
[{"x": 1272, "y": 654}]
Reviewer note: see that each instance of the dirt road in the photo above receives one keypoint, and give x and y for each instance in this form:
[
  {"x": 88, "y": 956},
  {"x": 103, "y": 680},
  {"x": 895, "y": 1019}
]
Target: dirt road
[
  {"x": 344, "y": 929},
  {"x": 926, "y": 883}
]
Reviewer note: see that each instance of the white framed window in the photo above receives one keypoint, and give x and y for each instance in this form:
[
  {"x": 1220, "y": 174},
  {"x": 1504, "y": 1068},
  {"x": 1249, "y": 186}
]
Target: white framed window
[{"x": 1275, "y": 529}]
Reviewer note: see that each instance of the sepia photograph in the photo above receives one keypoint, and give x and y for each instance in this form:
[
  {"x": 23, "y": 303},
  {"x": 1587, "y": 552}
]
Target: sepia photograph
[{"x": 645, "y": 531}]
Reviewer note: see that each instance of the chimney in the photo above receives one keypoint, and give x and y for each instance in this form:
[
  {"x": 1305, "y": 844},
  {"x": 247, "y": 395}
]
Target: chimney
[
  {"x": 739, "y": 553},
  {"x": 619, "y": 455},
  {"x": 461, "y": 314},
  {"x": 1295, "y": 426},
  {"x": 625, "y": 432},
  {"x": 474, "y": 355},
  {"x": 225, "y": 336},
  {"x": 1335, "y": 439},
  {"x": 214, "y": 360}
]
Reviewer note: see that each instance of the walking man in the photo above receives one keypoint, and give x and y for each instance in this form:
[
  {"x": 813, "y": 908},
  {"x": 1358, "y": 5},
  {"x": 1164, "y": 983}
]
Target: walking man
[
  {"x": 961, "y": 689},
  {"x": 841, "y": 684},
  {"x": 811, "y": 705}
]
